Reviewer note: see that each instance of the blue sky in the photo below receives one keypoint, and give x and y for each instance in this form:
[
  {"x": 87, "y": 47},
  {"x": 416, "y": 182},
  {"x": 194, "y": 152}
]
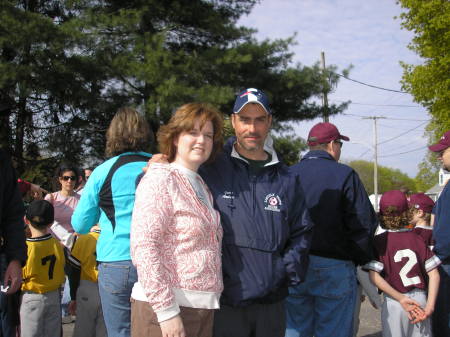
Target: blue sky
[{"x": 366, "y": 35}]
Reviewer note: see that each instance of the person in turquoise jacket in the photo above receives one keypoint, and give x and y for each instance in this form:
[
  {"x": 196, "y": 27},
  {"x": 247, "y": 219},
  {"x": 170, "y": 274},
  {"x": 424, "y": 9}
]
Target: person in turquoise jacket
[{"x": 108, "y": 199}]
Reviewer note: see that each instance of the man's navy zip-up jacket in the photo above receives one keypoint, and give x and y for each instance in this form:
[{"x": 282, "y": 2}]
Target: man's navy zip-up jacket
[
  {"x": 344, "y": 219},
  {"x": 441, "y": 228},
  {"x": 267, "y": 229}
]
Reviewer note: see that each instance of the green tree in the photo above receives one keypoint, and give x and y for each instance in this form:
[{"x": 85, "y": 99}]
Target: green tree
[
  {"x": 388, "y": 178},
  {"x": 66, "y": 66},
  {"x": 428, "y": 174},
  {"x": 179, "y": 51},
  {"x": 46, "y": 89},
  {"x": 429, "y": 82}
]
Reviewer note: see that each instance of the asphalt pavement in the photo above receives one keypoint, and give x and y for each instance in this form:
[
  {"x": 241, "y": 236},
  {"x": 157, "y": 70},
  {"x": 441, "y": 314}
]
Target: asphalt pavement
[{"x": 369, "y": 326}]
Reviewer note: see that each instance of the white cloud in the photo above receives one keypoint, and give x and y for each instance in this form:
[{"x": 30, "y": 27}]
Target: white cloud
[{"x": 365, "y": 34}]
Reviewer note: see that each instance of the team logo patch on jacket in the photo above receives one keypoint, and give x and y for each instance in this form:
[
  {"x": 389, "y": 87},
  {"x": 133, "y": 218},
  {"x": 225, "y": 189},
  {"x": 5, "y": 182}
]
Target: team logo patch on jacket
[
  {"x": 228, "y": 195},
  {"x": 272, "y": 202}
]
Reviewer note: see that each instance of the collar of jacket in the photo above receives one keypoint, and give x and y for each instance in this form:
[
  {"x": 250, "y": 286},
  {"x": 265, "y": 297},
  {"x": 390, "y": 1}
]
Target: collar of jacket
[
  {"x": 268, "y": 147},
  {"x": 318, "y": 154}
]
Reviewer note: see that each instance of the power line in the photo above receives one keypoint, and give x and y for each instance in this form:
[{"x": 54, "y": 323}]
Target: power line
[
  {"x": 392, "y": 119},
  {"x": 406, "y": 119},
  {"x": 381, "y": 105},
  {"x": 370, "y": 85},
  {"x": 364, "y": 153},
  {"x": 396, "y": 154},
  {"x": 401, "y": 134}
]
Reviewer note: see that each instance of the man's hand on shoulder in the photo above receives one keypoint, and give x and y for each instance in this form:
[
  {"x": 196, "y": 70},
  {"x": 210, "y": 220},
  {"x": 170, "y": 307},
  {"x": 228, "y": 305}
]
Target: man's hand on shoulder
[{"x": 156, "y": 158}]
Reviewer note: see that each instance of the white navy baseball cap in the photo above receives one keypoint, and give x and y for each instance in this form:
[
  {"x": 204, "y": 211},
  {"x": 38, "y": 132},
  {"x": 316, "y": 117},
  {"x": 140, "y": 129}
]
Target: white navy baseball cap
[{"x": 251, "y": 95}]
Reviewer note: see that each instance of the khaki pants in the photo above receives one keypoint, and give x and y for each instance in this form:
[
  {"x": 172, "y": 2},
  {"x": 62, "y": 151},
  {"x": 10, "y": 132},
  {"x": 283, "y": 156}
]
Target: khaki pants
[
  {"x": 144, "y": 323},
  {"x": 40, "y": 314},
  {"x": 89, "y": 322}
]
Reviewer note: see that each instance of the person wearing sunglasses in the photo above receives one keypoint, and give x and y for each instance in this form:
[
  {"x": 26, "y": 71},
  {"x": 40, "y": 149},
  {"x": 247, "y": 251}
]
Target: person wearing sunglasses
[
  {"x": 66, "y": 198},
  {"x": 64, "y": 202}
]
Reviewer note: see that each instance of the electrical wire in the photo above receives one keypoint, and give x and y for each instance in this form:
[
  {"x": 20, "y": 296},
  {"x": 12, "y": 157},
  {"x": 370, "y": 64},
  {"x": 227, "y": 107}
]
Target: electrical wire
[
  {"x": 393, "y": 119},
  {"x": 364, "y": 153},
  {"x": 370, "y": 85},
  {"x": 397, "y": 154},
  {"x": 401, "y": 134},
  {"x": 381, "y": 105}
]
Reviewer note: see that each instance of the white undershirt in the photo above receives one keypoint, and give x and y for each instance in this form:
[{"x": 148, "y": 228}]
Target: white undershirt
[{"x": 196, "y": 183}]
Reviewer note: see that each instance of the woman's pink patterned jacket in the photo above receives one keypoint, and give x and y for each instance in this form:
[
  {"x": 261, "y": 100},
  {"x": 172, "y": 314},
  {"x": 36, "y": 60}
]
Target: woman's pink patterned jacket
[{"x": 175, "y": 242}]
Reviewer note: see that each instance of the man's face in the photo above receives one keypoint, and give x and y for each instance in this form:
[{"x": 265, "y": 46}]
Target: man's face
[
  {"x": 251, "y": 126},
  {"x": 444, "y": 157}
]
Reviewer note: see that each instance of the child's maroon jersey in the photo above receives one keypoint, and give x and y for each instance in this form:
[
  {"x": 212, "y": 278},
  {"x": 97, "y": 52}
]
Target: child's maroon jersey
[
  {"x": 426, "y": 233},
  {"x": 403, "y": 260}
]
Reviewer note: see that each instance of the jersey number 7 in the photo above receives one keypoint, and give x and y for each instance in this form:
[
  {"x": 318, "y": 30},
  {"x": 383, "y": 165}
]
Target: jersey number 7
[{"x": 52, "y": 259}]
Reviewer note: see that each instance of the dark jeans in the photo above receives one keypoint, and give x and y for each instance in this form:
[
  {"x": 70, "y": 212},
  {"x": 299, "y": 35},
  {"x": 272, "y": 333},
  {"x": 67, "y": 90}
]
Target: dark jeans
[
  {"x": 9, "y": 306},
  {"x": 256, "y": 320},
  {"x": 441, "y": 314}
]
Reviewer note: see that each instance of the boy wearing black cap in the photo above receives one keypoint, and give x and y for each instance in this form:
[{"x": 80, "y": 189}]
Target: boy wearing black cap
[
  {"x": 400, "y": 270},
  {"x": 43, "y": 275},
  {"x": 420, "y": 207}
]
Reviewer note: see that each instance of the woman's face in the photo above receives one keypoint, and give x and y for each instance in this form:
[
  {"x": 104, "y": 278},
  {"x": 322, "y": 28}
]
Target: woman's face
[
  {"x": 194, "y": 147},
  {"x": 68, "y": 180}
]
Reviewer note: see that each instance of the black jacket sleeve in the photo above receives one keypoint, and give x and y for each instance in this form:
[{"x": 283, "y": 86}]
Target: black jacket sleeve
[{"x": 11, "y": 212}]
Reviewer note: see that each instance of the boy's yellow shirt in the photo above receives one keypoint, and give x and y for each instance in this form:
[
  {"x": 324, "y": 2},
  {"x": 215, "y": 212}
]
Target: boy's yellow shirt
[
  {"x": 44, "y": 270},
  {"x": 84, "y": 252}
]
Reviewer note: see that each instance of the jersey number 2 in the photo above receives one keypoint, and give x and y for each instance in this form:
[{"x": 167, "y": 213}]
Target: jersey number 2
[
  {"x": 52, "y": 259},
  {"x": 412, "y": 260}
]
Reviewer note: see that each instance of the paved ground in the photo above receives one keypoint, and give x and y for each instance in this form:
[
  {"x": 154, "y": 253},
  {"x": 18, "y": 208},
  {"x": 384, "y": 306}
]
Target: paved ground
[{"x": 370, "y": 325}]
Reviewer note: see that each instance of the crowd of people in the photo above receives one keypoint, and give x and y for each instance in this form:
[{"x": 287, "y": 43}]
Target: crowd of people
[{"x": 210, "y": 239}]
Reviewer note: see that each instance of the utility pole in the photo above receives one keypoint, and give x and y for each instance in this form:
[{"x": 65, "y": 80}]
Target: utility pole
[
  {"x": 375, "y": 158},
  {"x": 324, "y": 95}
]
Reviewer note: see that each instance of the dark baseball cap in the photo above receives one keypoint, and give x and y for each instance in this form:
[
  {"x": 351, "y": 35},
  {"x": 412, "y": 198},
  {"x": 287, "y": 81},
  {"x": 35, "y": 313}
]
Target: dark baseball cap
[
  {"x": 251, "y": 95},
  {"x": 322, "y": 133},
  {"x": 393, "y": 203},
  {"x": 444, "y": 143},
  {"x": 41, "y": 213},
  {"x": 421, "y": 201}
]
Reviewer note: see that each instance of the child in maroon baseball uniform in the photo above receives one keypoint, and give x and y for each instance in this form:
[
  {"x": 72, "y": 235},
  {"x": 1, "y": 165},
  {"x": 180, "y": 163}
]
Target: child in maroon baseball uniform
[
  {"x": 405, "y": 269},
  {"x": 421, "y": 206}
]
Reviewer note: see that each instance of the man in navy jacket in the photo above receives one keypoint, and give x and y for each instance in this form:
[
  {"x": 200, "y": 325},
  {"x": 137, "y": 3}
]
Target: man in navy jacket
[
  {"x": 267, "y": 229},
  {"x": 344, "y": 225},
  {"x": 441, "y": 235}
]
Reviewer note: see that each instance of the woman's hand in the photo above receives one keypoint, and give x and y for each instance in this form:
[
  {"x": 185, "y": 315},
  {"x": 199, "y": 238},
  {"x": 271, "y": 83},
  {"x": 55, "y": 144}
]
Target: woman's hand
[{"x": 173, "y": 327}]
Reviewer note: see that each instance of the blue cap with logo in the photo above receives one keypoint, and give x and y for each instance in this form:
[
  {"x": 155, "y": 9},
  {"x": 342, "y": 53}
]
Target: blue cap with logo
[{"x": 251, "y": 95}]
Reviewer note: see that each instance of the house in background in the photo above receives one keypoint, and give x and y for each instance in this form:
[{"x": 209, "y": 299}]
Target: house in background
[{"x": 436, "y": 190}]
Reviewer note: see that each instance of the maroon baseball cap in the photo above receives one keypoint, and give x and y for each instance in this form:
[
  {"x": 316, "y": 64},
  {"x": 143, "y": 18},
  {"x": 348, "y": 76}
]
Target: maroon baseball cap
[
  {"x": 322, "y": 133},
  {"x": 393, "y": 203},
  {"x": 444, "y": 143},
  {"x": 421, "y": 201}
]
